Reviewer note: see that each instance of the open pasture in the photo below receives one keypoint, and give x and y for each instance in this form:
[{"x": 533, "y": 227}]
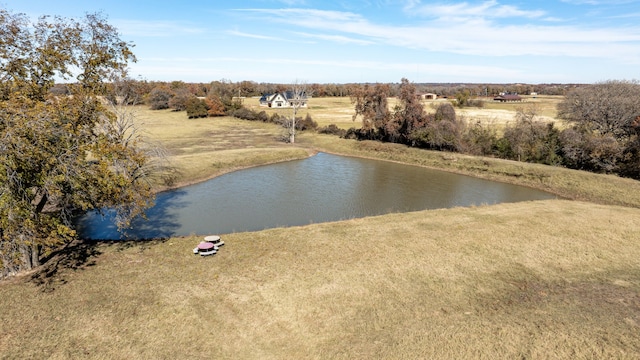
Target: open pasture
[
  {"x": 545, "y": 279},
  {"x": 323, "y": 110},
  {"x": 501, "y": 113},
  {"x": 339, "y": 110},
  {"x": 198, "y": 149},
  {"x": 550, "y": 279}
]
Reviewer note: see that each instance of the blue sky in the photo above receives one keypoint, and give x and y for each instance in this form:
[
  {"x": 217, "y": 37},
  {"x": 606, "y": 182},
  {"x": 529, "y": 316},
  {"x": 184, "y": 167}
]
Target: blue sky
[{"x": 282, "y": 41}]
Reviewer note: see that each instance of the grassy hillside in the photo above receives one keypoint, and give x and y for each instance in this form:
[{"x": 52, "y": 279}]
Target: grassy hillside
[
  {"x": 549, "y": 279},
  {"x": 545, "y": 279}
]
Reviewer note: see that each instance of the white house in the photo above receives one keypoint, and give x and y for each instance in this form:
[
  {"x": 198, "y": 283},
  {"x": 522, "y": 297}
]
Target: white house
[{"x": 281, "y": 100}]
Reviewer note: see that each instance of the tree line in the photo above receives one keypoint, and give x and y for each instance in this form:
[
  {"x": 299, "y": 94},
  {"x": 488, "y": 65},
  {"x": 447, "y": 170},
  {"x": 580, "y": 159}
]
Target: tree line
[
  {"x": 600, "y": 132},
  {"x": 158, "y": 94}
]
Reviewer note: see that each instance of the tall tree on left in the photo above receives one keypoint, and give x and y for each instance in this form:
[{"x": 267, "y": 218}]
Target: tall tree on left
[{"x": 62, "y": 155}]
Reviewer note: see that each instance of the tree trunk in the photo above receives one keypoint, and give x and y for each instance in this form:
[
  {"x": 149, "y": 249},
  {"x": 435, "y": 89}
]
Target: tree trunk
[
  {"x": 35, "y": 255},
  {"x": 30, "y": 255}
]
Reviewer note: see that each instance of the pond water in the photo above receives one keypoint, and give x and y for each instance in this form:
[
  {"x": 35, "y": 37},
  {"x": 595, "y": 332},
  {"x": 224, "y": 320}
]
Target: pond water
[{"x": 321, "y": 188}]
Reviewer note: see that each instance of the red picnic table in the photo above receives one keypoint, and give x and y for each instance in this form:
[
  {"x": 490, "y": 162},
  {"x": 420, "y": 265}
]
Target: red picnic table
[{"x": 205, "y": 248}]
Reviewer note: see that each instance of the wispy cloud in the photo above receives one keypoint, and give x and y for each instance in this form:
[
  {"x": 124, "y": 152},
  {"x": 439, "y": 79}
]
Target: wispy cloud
[
  {"x": 264, "y": 37},
  {"x": 156, "y": 28},
  {"x": 253, "y": 36},
  {"x": 599, "y": 2},
  {"x": 473, "y": 37},
  {"x": 335, "y": 38},
  {"x": 487, "y": 9},
  {"x": 626, "y": 16},
  {"x": 293, "y": 2},
  {"x": 307, "y": 14},
  {"x": 273, "y": 60},
  {"x": 183, "y": 65}
]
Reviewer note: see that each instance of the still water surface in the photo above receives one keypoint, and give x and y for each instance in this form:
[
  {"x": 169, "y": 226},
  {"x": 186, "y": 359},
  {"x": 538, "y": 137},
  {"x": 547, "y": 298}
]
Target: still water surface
[{"x": 318, "y": 189}]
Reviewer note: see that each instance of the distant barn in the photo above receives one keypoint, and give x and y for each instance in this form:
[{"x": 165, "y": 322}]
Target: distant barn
[
  {"x": 427, "y": 96},
  {"x": 507, "y": 98}
]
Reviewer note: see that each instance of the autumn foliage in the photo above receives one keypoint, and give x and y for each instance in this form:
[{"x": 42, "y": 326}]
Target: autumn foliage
[{"x": 62, "y": 155}]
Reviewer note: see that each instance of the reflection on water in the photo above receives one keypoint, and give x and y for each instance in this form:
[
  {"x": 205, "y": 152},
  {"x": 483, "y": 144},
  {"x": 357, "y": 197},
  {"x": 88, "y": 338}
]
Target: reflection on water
[{"x": 318, "y": 189}]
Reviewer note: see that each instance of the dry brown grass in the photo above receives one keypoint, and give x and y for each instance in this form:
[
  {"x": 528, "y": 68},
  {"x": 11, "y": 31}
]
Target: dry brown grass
[
  {"x": 546, "y": 279},
  {"x": 545, "y": 104},
  {"x": 339, "y": 110},
  {"x": 500, "y": 114},
  {"x": 323, "y": 110},
  {"x": 199, "y": 149}
]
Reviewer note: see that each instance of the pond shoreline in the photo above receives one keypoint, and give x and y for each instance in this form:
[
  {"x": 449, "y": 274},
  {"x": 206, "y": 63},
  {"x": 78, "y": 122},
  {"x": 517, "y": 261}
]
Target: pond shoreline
[
  {"x": 185, "y": 183},
  {"x": 565, "y": 183},
  {"x": 322, "y": 188}
]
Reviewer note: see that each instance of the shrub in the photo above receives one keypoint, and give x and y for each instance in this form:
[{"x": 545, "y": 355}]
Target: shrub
[
  {"x": 476, "y": 103},
  {"x": 277, "y": 119},
  {"x": 361, "y": 134},
  {"x": 179, "y": 101},
  {"x": 196, "y": 108},
  {"x": 159, "y": 98},
  {"x": 440, "y": 135},
  {"x": 590, "y": 151},
  {"x": 442, "y": 131},
  {"x": 462, "y": 98},
  {"x": 630, "y": 165},
  {"x": 245, "y": 114},
  {"x": 215, "y": 105},
  {"x": 631, "y": 157},
  {"x": 533, "y": 142},
  {"x": 306, "y": 124},
  {"x": 262, "y": 116},
  {"x": 445, "y": 111},
  {"x": 480, "y": 139},
  {"x": 332, "y": 129}
]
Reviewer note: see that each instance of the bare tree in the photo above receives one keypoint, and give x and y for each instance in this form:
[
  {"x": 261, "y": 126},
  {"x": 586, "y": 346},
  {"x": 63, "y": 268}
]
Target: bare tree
[
  {"x": 603, "y": 127},
  {"x": 126, "y": 129},
  {"x": 608, "y": 108},
  {"x": 298, "y": 97}
]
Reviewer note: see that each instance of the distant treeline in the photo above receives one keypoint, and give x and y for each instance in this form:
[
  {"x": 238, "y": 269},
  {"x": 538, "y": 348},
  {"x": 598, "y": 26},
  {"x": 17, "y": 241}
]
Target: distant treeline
[
  {"x": 143, "y": 88},
  {"x": 600, "y": 132}
]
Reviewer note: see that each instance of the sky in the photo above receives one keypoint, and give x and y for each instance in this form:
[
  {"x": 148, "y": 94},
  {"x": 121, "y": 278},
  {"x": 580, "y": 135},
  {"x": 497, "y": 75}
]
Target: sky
[{"x": 324, "y": 41}]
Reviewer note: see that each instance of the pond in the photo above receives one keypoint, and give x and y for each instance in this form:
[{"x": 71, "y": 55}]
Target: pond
[{"x": 319, "y": 189}]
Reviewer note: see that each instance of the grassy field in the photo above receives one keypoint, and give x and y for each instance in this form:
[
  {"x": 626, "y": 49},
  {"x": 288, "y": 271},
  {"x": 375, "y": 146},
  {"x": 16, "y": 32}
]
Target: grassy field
[
  {"x": 499, "y": 114},
  {"x": 323, "y": 110},
  {"x": 544, "y": 279},
  {"x": 199, "y": 149},
  {"x": 339, "y": 110},
  {"x": 550, "y": 279}
]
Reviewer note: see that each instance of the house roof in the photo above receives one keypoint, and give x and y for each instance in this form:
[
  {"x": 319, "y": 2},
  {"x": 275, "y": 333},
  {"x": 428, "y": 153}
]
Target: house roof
[
  {"x": 507, "y": 97},
  {"x": 285, "y": 94}
]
